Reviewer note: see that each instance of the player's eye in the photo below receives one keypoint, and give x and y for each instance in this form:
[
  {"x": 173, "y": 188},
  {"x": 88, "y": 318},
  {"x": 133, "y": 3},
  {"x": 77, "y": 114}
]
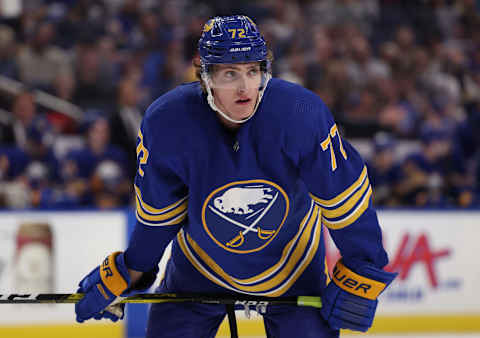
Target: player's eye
[
  {"x": 230, "y": 75},
  {"x": 253, "y": 72}
]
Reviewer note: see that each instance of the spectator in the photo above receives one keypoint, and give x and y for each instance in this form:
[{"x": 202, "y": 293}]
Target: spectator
[
  {"x": 94, "y": 75},
  {"x": 30, "y": 131},
  {"x": 13, "y": 162},
  {"x": 426, "y": 174},
  {"x": 13, "y": 128},
  {"x": 63, "y": 87},
  {"x": 125, "y": 120},
  {"x": 360, "y": 117},
  {"x": 8, "y": 64},
  {"x": 384, "y": 170},
  {"x": 467, "y": 136},
  {"x": 318, "y": 56},
  {"x": 79, "y": 166},
  {"x": 110, "y": 187},
  {"x": 294, "y": 68},
  {"x": 363, "y": 67},
  {"x": 39, "y": 61}
]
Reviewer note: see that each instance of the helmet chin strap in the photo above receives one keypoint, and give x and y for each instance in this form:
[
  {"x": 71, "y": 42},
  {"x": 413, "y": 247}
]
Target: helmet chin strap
[{"x": 211, "y": 101}]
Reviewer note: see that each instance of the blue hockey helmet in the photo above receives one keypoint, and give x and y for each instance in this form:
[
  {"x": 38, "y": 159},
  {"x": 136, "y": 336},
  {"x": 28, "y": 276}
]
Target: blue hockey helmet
[{"x": 231, "y": 39}]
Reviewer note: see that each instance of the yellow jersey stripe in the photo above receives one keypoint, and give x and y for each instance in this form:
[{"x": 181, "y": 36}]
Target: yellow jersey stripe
[
  {"x": 194, "y": 261},
  {"x": 157, "y": 218},
  {"x": 298, "y": 252},
  {"x": 280, "y": 277},
  {"x": 285, "y": 254},
  {"x": 303, "y": 265},
  {"x": 348, "y": 205},
  {"x": 341, "y": 197},
  {"x": 277, "y": 292},
  {"x": 335, "y": 225},
  {"x": 153, "y": 210},
  {"x": 172, "y": 221}
]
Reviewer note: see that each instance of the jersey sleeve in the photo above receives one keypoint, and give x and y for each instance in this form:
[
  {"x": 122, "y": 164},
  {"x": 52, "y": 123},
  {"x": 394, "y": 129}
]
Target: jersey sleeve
[
  {"x": 337, "y": 180},
  {"x": 161, "y": 197}
]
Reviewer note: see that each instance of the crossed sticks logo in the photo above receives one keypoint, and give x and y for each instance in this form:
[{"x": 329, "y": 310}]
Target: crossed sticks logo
[{"x": 245, "y": 216}]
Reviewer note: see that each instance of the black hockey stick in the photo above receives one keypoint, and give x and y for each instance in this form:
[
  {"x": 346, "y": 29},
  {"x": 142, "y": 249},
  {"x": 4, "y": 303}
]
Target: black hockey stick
[
  {"x": 239, "y": 300},
  {"x": 246, "y": 301}
]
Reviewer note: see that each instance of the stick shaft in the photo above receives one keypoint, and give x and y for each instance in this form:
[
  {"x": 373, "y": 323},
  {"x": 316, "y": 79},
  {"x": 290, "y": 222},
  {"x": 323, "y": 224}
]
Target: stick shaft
[{"x": 63, "y": 298}]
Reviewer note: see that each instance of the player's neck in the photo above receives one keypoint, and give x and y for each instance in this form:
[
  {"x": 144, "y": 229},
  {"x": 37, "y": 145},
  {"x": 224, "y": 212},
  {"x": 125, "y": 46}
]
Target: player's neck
[{"x": 228, "y": 124}]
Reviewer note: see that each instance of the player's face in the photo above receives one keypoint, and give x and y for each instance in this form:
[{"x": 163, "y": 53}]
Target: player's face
[{"x": 236, "y": 87}]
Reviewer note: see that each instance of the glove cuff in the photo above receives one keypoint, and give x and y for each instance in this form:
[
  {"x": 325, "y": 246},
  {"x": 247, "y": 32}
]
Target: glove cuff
[
  {"x": 142, "y": 285},
  {"x": 114, "y": 274},
  {"x": 356, "y": 284}
]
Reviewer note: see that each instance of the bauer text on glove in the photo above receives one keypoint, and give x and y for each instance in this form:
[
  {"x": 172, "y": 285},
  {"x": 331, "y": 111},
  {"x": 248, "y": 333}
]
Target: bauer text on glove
[
  {"x": 104, "y": 284},
  {"x": 350, "y": 299}
]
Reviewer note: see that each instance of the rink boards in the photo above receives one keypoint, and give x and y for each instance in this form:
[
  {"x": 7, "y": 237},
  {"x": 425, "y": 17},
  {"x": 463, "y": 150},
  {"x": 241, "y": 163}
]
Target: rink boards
[{"x": 435, "y": 253}]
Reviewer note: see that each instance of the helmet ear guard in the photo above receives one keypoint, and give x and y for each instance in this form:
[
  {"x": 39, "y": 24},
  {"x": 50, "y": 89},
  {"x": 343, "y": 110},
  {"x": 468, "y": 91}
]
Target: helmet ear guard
[{"x": 232, "y": 39}]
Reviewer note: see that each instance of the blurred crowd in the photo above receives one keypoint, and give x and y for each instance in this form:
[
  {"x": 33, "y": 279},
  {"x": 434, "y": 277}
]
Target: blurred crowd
[{"x": 392, "y": 72}]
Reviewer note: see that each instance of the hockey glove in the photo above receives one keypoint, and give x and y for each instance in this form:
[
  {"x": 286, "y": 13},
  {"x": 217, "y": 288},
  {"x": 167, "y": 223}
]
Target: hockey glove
[
  {"x": 350, "y": 300},
  {"x": 104, "y": 284}
]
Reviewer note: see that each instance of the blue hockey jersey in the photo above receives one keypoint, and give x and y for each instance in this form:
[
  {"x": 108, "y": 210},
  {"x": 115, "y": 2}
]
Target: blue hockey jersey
[{"x": 246, "y": 208}]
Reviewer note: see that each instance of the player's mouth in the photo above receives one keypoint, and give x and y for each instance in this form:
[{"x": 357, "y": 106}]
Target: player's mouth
[{"x": 243, "y": 101}]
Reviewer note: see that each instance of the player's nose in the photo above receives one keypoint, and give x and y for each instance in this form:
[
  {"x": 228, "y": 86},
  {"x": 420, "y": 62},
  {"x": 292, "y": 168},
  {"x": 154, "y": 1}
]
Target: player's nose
[{"x": 243, "y": 84}]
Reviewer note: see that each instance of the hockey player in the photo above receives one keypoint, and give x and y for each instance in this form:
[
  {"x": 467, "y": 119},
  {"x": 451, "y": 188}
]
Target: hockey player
[{"x": 241, "y": 171}]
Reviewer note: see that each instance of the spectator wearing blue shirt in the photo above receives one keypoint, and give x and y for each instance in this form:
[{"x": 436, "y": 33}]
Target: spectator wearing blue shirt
[
  {"x": 427, "y": 174},
  {"x": 98, "y": 149},
  {"x": 13, "y": 162},
  {"x": 384, "y": 171}
]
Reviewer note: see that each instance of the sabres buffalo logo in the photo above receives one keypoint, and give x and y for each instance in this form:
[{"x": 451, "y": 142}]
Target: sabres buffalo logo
[{"x": 245, "y": 216}]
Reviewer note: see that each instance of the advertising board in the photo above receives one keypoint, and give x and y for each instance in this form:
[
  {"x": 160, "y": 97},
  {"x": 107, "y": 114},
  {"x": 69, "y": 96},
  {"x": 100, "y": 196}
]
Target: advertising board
[{"x": 45, "y": 252}]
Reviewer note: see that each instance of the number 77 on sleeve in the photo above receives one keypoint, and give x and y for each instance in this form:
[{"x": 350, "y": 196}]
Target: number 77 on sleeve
[{"x": 327, "y": 143}]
